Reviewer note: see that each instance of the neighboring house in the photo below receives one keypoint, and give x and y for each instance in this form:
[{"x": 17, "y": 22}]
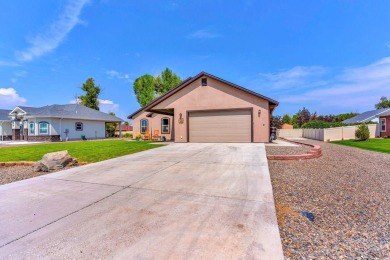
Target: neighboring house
[
  {"x": 206, "y": 108},
  {"x": 369, "y": 116},
  {"x": 126, "y": 129},
  {"x": 5, "y": 125},
  {"x": 287, "y": 126},
  {"x": 58, "y": 123},
  {"x": 384, "y": 124}
]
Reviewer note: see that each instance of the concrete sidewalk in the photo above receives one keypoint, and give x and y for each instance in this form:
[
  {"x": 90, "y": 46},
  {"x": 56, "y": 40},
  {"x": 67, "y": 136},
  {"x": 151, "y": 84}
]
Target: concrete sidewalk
[{"x": 178, "y": 201}]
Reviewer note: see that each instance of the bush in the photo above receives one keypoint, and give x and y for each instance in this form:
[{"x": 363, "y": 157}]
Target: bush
[
  {"x": 362, "y": 133},
  {"x": 321, "y": 124},
  {"x": 127, "y": 135}
]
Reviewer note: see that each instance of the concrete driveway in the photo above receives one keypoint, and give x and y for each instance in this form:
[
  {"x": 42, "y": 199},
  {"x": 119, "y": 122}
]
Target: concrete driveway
[{"x": 179, "y": 201}]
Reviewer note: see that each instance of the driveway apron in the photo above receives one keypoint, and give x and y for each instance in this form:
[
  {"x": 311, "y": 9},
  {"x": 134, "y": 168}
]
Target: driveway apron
[{"x": 181, "y": 201}]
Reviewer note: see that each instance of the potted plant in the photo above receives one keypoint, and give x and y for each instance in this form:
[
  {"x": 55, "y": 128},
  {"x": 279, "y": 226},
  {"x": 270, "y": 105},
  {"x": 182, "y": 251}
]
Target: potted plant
[{"x": 138, "y": 136}]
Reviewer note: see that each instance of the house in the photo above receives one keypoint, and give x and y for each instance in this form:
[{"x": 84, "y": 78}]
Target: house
[
  {"x": 287, "y": 126},
  {"x": 206, "y": 108},
  {"x": 369, "y": 116},
  {"x": 126, "y": 129},
  {"x": 57, "y": 123},
  {"x": 384, "y": 124},
  {"x": 5, "y": 125}
]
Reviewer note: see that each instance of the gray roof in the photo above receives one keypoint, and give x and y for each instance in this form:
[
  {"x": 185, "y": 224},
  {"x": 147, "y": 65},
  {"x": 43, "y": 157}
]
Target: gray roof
[
  {"x": 4, "y": 115},
  {"x": 72, "y": 111},
  {"x": 367, "y": 116}
]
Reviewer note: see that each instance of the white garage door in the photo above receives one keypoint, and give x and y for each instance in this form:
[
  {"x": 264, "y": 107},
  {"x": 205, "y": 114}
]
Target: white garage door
[{"x": 233, "y": 126}]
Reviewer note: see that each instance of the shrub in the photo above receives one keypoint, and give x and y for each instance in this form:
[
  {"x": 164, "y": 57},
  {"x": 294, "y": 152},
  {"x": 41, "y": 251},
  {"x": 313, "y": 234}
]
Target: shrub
[
  {"x": 321, "y": 124},
  {"x": 362, "y": 133},
  {"x": 138, "y": 136},
  {"x": 127, "y": 135}
]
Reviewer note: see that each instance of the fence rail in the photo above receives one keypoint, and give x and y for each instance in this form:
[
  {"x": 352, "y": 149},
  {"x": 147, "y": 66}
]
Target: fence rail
[{"x": 327, "y": 134}]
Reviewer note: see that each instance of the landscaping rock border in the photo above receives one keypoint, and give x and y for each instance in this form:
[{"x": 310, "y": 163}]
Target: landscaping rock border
[{"x": 314, "y": 152}]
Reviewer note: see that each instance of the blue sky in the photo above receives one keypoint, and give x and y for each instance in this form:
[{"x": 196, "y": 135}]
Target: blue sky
[{"x": 329, "y": 56}]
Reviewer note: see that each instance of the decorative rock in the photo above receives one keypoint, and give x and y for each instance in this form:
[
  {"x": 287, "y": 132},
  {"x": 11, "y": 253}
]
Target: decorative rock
[{"x": 54, "y": 161}]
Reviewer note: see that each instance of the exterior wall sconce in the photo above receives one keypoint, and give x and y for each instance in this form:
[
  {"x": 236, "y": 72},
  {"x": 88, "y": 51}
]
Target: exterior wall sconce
[
  {"x": 259, "y": 113},
  {"x": 181, "y": 119}
]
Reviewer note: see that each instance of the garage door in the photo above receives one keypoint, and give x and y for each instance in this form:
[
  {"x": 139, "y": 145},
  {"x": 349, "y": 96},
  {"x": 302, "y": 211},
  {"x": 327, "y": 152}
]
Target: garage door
[{"x": 233, "y": 126}]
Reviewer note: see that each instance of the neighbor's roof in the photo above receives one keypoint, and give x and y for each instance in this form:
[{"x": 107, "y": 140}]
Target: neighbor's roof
[
  {"x": 366, "y": 116},
  {"x": 71, "y": 111},
  {"x": 189, "y": 81},
  {"x": 4, "y": 115}
]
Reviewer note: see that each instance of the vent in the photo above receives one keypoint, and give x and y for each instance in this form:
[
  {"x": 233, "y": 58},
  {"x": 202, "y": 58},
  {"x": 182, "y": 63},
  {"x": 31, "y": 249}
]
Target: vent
[{"x": 204, "y": 82}]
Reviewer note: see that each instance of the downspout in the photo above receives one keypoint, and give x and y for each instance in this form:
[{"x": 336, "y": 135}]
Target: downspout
[{"x": 61, "y": 129}]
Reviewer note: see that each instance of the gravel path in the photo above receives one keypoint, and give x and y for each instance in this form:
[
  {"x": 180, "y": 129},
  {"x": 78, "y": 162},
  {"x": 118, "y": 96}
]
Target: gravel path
[
  {"x": 17, "y": 173},
  {"x": 348, "y": 192}
]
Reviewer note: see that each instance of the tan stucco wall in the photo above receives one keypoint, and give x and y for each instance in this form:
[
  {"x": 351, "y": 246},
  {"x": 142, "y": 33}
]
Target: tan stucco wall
[
  {"x": 154, "y": 124},
  {"x": 216, "y": 95}
]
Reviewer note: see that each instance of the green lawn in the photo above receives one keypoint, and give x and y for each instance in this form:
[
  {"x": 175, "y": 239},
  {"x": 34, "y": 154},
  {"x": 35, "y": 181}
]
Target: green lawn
[
  {"x": 87, "y": 151},
  {"x": 378, "y": 145}
]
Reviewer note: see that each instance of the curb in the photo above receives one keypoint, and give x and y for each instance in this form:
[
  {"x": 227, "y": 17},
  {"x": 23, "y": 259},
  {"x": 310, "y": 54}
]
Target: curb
[{"x": 314, "y": 152}]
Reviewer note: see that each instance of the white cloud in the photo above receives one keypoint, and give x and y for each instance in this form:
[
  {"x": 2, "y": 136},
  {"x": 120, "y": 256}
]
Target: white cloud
[
  {"x": 356, "y": 88},
  {"x": 297, "y": 76},
  {"x": 105, "y": 105},
  {"x": 9, "y": 98},
  {"x": 202, "y": 34},
  {"x": 118, "y": 75},
  {"x": 50, "y": 39}
]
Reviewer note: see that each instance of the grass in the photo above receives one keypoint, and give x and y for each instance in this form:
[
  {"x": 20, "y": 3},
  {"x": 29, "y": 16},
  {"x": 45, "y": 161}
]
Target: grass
[
  {"x": 378, "y": 145},
  {"x": 87, "y": 151}
]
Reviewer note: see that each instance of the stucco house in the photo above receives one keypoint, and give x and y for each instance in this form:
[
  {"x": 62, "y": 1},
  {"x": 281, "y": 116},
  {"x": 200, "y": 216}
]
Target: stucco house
[
  {"x": 55, "y": 123},
  {"x": 384, "y": 124},
  {"x": 206, "y": 108}
]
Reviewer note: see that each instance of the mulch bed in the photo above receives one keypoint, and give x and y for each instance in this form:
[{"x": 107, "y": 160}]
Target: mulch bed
[{"x": 333, "y": 207}]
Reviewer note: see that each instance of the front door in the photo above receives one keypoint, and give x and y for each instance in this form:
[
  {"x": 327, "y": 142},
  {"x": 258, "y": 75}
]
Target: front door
[{"x": 21, "y": 131}]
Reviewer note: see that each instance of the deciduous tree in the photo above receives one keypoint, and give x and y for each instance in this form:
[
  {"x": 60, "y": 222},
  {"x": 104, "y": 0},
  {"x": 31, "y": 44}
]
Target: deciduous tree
[{"x": 383, "y": 103}]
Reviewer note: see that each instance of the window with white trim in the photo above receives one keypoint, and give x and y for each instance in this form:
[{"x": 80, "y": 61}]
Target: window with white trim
[
  {"x": 144, "y": 126},
  {"x": 43, "y": 128},
  {"x": 79, "y": 126},
  {"x": 31, "y": 128},
  {"x": 165, "y": 125},
  {"x": 383, "y": 124}
]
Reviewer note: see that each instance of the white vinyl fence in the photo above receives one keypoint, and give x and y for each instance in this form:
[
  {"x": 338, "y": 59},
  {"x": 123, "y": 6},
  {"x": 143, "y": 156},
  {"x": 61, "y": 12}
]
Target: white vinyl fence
[{"x": 327, "y": 134}]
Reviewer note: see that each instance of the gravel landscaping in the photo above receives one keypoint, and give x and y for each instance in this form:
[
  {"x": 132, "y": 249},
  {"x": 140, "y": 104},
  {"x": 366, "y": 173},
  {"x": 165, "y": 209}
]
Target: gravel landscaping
[{"x": 346, "y": 191}]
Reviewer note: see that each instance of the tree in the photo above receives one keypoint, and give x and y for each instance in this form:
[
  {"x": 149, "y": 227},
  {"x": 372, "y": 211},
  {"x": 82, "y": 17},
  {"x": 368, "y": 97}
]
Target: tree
[
  {"x": 144, "y": 89},
  {"x": 286, "y": 119},
  {"x": 383, "y": 103},
  {"x": 111, "y": 127},
  {"x": 362, "y": 132},
  {"x": 303, "y": 116},
  {"x": 166, "y": 81},
  {"x": 276, "y": 121},
  {"x": 147, "y": 87},
  {"x": 92, "y": 91}
]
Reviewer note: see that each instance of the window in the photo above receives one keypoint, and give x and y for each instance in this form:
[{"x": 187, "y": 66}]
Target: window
[
  {"x": 79, "y": 126},
  {"x": 144, "y": 126},
  {"x": 204, "y": 82},
  {"x": 43, "y": 128},
  {"x": 165, "y": 125},
  {"x": 31, "y": 128},
  {"x": 383, "y": 124}
]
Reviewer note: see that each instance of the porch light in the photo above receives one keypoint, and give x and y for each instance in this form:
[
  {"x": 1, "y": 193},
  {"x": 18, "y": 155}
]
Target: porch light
[{"x": 259, "y": 113}]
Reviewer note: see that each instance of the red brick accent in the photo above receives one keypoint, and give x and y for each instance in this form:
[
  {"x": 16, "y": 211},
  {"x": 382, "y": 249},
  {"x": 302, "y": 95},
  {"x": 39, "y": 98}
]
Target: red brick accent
[
  {"x": 16, "y": 134},
  {"x": 314, "y": 152},
  {"x": 6, "y": 138},
  {"x": 44, "y": 138}
]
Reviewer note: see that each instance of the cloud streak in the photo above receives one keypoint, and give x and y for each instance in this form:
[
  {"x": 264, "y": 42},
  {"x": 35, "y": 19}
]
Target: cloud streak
[
  {"x": 50, "y": 39},
  {"x": 118, "y": 75},
  {"x": 355, "y": 89},
  {"x": 202, "y": 34}
]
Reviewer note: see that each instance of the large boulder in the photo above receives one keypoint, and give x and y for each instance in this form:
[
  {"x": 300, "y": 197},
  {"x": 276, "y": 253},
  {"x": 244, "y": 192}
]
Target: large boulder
[{"x": 54, "y": 161}]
